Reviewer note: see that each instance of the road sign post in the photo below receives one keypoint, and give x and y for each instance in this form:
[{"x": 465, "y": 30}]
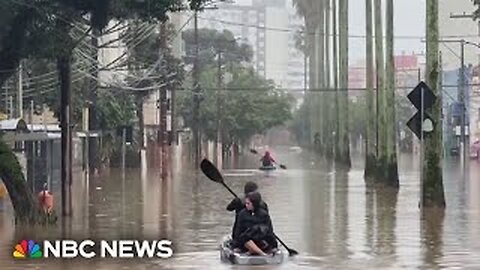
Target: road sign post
[{"x": 422, "y": 98}]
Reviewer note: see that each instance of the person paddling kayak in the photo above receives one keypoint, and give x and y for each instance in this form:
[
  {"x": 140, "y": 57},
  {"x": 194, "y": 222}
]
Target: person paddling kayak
[
  {"x": 254, "y": 231},
  {"x": 238, "y": 204},
  {"x": 267, "y": 160}
]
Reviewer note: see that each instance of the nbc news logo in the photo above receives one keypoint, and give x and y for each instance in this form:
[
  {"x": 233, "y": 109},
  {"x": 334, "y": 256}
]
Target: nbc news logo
[{"x": 88, "y": 249}]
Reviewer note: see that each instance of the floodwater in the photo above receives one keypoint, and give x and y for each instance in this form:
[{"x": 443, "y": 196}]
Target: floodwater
[{"x": 330, "y": 216}]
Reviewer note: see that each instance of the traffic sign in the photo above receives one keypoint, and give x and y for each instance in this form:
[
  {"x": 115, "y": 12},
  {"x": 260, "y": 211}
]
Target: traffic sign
[
  {"x": 415, "y": 124},
  {"x": 416, "y": 96}
]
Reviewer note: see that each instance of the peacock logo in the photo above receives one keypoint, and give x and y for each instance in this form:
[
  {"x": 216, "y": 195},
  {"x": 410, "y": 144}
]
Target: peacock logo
[{"x": 27, "y": 249}]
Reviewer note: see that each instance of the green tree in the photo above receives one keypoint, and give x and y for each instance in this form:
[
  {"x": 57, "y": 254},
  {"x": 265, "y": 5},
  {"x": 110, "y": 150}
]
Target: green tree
[
  {"x": 42, "y": 29},
  {"x": 210, "y": 43},
  {"x": 252, "y": 106}
]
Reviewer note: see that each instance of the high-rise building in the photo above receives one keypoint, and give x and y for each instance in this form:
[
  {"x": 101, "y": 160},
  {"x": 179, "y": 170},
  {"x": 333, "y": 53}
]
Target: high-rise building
[
  {"x": 269, "y": 26},
  {"x": 246, "y": 19}
]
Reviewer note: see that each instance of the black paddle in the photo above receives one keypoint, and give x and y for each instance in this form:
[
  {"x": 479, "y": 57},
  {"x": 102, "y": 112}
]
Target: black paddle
[
  {"x": 213, "y": 174},
  {"x": 253, "y": 151}
]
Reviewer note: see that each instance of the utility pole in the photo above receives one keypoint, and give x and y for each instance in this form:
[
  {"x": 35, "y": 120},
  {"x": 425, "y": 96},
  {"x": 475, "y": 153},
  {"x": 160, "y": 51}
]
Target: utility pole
[
  {"x": 85, "y": 142},
  {"x": 124, "y": 148},
  {"x": 305, "y": 89},
  {"x": 31, "y": 113},
  {"x": 196, "y": 96},
  {"x": 461, "y": 94},
  {"x": 20, "y": 91},
  {"x": 218, "y": 141},
  {"x": 10, "y": 114},
  {"x": 34, "y": 147},
  {"x": 461, "y": 99},
  {"x": 64, "y": 68},
  {"x": 173, "y": 123},
  {"x": 163, "y": 105},
  {"x": 92, "y": 102}
]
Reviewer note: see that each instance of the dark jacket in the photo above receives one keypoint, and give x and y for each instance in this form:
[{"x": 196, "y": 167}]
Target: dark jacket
[
  {"x": 238, "y": 205},
  {"x": 256, "y": 226}
]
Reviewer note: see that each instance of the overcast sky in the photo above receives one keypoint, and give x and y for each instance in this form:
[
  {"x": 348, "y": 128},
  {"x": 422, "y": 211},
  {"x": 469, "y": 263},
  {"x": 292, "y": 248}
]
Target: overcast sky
[{"x": 409, "y": 20}]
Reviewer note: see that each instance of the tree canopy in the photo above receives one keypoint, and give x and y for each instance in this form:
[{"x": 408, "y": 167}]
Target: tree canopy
[
  {"x": 41, "y": 28},
  {"x": 210, "y": 43},
  {"x": 250, "y": 105}
]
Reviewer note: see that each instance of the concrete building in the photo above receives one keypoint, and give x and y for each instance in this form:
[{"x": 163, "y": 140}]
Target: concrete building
[
  {"x": 246, "y": 19},
  {"x": 269, "y": 26}
]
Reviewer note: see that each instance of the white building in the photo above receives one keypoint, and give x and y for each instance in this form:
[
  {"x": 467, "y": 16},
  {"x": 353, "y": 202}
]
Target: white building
[
  {"x": 246, "y": 19},
  {"x": 269, "y": 26}
]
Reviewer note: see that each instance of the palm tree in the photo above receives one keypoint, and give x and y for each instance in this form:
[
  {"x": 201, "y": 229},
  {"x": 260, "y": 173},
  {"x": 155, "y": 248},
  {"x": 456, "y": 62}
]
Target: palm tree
[
  {"x": 433, "y": 193},
  {"x": 305, "y": 9},
  {"x": 343, "y": 143},
  {"x": 371, "y": 157},
  {"x": 320, "y": 96},
  {"x": 381, "y": 144},
  {"x": 391, "y": 169},
  {"x": 327, "y": 106}
]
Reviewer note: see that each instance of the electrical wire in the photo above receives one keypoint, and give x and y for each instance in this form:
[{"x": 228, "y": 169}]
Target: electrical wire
[{"x": 290, "y": 30}]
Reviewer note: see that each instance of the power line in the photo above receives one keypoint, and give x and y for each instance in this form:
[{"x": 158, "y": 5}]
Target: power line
[{"x": 290, "y": 30}]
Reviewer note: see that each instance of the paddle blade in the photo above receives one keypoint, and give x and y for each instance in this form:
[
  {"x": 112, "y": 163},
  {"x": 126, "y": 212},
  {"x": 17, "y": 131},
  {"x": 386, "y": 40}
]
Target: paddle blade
[
  {"x": 292, "y": 252},
  {"x": 283, "y": 166},
  {"x": 253, "y": 151},
  {"x": 211, "y": 171}
]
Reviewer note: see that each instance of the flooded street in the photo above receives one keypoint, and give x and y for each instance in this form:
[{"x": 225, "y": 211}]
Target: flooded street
[{"x": 328, "y": 215}]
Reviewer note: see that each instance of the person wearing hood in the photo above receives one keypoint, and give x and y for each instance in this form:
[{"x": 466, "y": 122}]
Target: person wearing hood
[
  {"x": 254, "y": 231},
  {"x": 267, "y": 160},
  {"x": 238, "y": 204}
]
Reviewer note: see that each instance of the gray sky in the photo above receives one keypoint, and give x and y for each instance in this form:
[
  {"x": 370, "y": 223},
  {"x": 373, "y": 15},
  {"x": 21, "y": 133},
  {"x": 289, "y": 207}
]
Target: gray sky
[{"x": 409, "y": 20}]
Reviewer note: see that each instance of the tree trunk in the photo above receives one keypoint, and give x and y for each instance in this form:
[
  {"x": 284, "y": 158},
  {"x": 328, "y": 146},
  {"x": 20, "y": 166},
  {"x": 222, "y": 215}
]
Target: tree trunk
[
  {"x": 371, "y": 157},
  {"x": 344, "y": 155},
  {"x": 336, "y": 111},
  {"x": 327, "y": 112},
  {"x": 320, "y": 96},
  {"x": 24, "y": 204},
  {"x": 432, "y": 186},
  {"x": 381, "y": 151},
  {"x": 391, "y": 169},
  {"x": 312, "y": 71}
]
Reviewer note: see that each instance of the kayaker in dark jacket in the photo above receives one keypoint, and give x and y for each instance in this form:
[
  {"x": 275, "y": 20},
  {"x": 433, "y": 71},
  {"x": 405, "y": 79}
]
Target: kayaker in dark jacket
[
  {"x": 267, "y": 160},
  {"x": 238, "y": 204},
  {"x": 254, "y": 230}
]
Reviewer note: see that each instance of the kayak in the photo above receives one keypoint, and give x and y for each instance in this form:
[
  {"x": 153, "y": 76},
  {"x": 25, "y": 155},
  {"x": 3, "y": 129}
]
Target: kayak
[
  {"x": 229, "y": 256},
  {"x": 268, "y": 168}
]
